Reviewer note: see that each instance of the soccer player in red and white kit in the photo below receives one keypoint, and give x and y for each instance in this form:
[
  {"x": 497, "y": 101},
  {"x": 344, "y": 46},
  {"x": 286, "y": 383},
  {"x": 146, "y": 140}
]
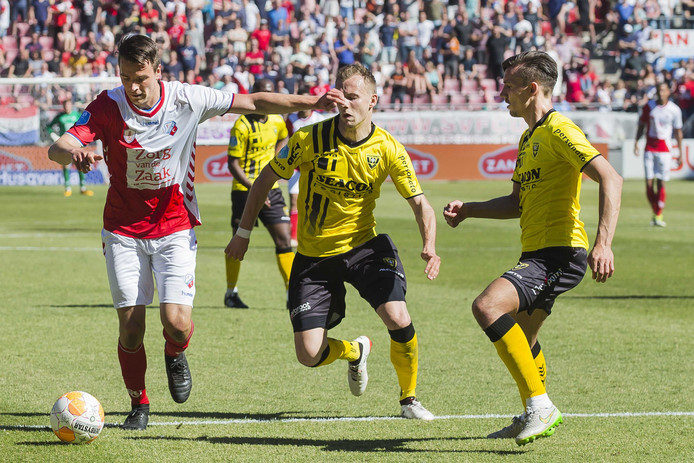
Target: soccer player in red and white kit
[
  {"x": 661, "y": 120},
  {"x": 148, "y": 129}
]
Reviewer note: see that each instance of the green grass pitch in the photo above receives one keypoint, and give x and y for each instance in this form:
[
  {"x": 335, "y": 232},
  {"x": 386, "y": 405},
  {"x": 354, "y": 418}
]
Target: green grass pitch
[{"x": 619, "y": 354}]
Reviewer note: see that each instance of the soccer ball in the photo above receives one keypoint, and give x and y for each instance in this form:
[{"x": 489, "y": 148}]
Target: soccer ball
[{"x": 77, "y": 417}]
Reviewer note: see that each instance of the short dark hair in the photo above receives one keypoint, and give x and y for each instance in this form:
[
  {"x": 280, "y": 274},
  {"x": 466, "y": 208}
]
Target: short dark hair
[
  {"x": 263, "y": 85},
  {"x": 345, "y": 72},
  {"x": 139, "y": 49},
  {"x": 534, "y": 66}
]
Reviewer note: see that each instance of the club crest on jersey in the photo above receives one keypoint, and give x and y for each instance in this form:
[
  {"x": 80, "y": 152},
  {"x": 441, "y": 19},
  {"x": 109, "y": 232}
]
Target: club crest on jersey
[
  {"x": 284, "y": 153},
  {"x": 129, "y": 135},
  {"x": 84, "y": 118},
  {"x": 372, "y": 160},
  {"x": 170, "y": 127},
  {"x": 390, "y": 262},
  {"x": 233, "y": 142},
  {"x": 536, "y": 149}
]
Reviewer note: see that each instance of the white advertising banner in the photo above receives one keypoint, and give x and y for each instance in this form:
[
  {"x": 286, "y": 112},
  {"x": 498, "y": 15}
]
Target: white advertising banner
[{"x": 631, "y": 166}]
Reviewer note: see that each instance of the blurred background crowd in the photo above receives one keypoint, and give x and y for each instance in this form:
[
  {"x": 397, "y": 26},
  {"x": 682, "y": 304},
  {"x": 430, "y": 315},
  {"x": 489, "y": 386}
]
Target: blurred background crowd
[{"x": 423, "y": 53}]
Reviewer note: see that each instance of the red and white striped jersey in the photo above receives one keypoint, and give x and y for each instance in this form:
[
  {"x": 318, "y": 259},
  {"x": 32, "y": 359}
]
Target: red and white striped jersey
[
  {"x": 660, "y": 120},
  {"x": 150, "y": 156}
]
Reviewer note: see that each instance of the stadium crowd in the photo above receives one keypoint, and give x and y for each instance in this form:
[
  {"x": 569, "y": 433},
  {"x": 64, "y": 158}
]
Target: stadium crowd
[{"x": 444, "y": 53}]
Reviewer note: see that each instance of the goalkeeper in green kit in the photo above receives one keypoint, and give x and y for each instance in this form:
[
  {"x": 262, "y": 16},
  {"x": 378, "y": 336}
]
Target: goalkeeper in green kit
[{"x": 58, "y": 126}]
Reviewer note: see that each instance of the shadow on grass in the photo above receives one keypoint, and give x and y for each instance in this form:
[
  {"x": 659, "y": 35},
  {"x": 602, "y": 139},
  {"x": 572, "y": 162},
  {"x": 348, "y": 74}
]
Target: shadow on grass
[
  {"x": 341, "y": 445},
  {"x": 630, "y": 296},
  {"x": 82, "y": 306}
]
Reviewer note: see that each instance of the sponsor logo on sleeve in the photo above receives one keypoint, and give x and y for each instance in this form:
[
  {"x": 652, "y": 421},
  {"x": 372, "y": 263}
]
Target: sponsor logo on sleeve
[{"x": 84, "y": 118}]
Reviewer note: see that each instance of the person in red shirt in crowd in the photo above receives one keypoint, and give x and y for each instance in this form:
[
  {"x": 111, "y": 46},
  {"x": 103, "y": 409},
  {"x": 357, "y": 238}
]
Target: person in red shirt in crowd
[
  {"x": 262, "y": 35},
  {"x": 149, "y": 16},
  {"x": 177, "y": 31},
  {"x": 255, "y": 58}
]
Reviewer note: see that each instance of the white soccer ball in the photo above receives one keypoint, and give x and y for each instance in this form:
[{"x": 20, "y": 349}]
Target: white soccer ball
[{"x": 77, "y": 417}]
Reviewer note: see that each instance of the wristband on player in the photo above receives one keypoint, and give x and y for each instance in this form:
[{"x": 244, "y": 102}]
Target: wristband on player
[{"x": 243, "y": 233}]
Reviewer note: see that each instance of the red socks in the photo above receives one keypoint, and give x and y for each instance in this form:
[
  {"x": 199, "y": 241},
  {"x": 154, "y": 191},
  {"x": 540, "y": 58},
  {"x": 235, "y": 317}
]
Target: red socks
[
  {"x": 133, "y": 365},
  {"x": 172, "y": 348},
  {"x": 294, "y": 220}
]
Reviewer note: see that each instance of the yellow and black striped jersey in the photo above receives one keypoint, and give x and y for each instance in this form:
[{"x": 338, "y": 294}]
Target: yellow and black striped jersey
[
  {"x": 340, "y": 182},
  {"x": 551, "y": 158},
  {"x": 253, "y": 142}
]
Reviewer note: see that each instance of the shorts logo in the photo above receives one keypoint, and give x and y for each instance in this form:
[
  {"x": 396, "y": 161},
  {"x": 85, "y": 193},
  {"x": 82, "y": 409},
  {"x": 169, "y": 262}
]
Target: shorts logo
[
  {"x": 302, "y": 308},
  {"x": 390, "y": 262},
  {"x": 170, "y": 128},
  {"x": 189, "y": 280},
  {"x": 372, "y": 161},
  {"x": 536, "y": 149},
  {"x": 520, "y": 266}
]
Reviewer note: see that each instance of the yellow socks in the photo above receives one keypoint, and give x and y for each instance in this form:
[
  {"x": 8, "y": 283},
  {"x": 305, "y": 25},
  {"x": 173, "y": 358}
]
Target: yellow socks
[
  {"x": 285, "y": 258},
  {"x": 404, "y": 355},
  {"x": 233, "y": 267},
  {"x": 512, "y": 346},
  {"x": 339, "y": 349}
]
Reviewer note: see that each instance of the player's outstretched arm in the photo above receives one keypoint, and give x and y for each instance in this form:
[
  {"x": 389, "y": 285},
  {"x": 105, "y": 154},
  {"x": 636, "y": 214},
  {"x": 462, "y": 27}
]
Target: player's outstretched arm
[
  {"x": 426, "y": 219},
  {"x": 503, "y": 207},
  {"x": 238, "y": 245},
  {"x": 601, "y": 258},
  {"x": 278, "y": 103},
  {"x": 67, "y": 150}
]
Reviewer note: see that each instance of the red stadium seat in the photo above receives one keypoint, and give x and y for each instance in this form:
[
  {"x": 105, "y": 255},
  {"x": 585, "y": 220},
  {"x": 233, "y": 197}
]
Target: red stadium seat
[
  {"x": 421, "y": 100},
  {"x": 10, "y": 43},
  {"x": 46, "y": 42},
  {"x": 23, "y": 29},
  {"x": 451, "y": 86},
  {"x": 24, "y": 42},
  {"x": 469, "y": 86},
  {"x": 458, "y": 99},
  {"x": 489, "y": 84},
  {"x": 439, "y": 100}
]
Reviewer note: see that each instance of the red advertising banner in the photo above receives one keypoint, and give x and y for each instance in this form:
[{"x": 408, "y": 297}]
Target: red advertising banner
[{"x": 30, "y": 165}]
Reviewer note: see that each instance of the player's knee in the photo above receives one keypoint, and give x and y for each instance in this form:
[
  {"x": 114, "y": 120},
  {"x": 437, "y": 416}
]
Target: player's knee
[
  {"x": 480, "y": 307},
  {"x": 131, "y": 335},
  {"x": 308, "y": 355}
]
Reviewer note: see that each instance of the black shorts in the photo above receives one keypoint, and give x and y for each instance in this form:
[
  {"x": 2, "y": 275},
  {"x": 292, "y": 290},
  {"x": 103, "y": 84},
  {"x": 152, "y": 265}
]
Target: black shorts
[
  {"x": 317, "y": 284},
  {"x": 276, "y": 213},
  {"x": 540, "y": 276}
]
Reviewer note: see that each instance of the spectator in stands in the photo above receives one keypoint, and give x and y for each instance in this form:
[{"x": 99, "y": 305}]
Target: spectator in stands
[
  {"x": 496, "y": 47},
  {"x": 398, "y": 84},
  {"x": 389, "y": 51},
  {"x": 448, "y": 47},
  {"x": 407, "y": 34},
  {"x": 262, "y": 35},
  {"x": 345, "y": 46},
  {"x": 90, "y": 14},
  {"x": 434, "y": 80},
  {"x": 190, "y": 59},
  {"x": 255, "y": 58},
  {"x": 618, "y": 96},
  {"x": 289, "y": 79},
  {"x": 20, "y": 66},
  {"x": 174, "y": 68},
  {"x": 425, "y": 30},
  {"x": 149, "y": 16},
  {"x": 238, "y": 36},
  {"x": 41, "y": 15},
  {"x": 278, "y": 19}
]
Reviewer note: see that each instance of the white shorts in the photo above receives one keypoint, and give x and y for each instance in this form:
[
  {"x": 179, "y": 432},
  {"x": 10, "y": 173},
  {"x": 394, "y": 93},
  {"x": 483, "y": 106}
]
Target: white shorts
[
  {"x": 657, "y": 165},
  {"x": 293, "y": 184},
  {"x": 131, "y": 264}
]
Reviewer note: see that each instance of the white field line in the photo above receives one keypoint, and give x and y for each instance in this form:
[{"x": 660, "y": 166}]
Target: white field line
[
  {"x": 48, "y": 249},
  {"x": 368, "y": 418}
]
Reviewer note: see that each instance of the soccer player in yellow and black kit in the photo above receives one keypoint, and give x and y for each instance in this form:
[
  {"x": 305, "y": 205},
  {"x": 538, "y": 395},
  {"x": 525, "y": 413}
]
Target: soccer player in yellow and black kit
[
  {"x": 254, "y": 141},
  {"x": 552, "y": 156},
  {"x": 343, "y": 162}
]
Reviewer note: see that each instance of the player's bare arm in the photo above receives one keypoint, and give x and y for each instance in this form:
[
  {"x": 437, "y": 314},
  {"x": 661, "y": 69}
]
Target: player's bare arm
[
  {"x": 678, "y": 138},
  {"x": 67, "y": 150},
  {"x": 503, "y": 207},
  {"x": 426, "y": 219},
  {"x": 237, "y": 247},
  {"x": 639, "y": 132},
  {"x": 601, "y": 258},
  {"x": 277, "y": 103}
]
